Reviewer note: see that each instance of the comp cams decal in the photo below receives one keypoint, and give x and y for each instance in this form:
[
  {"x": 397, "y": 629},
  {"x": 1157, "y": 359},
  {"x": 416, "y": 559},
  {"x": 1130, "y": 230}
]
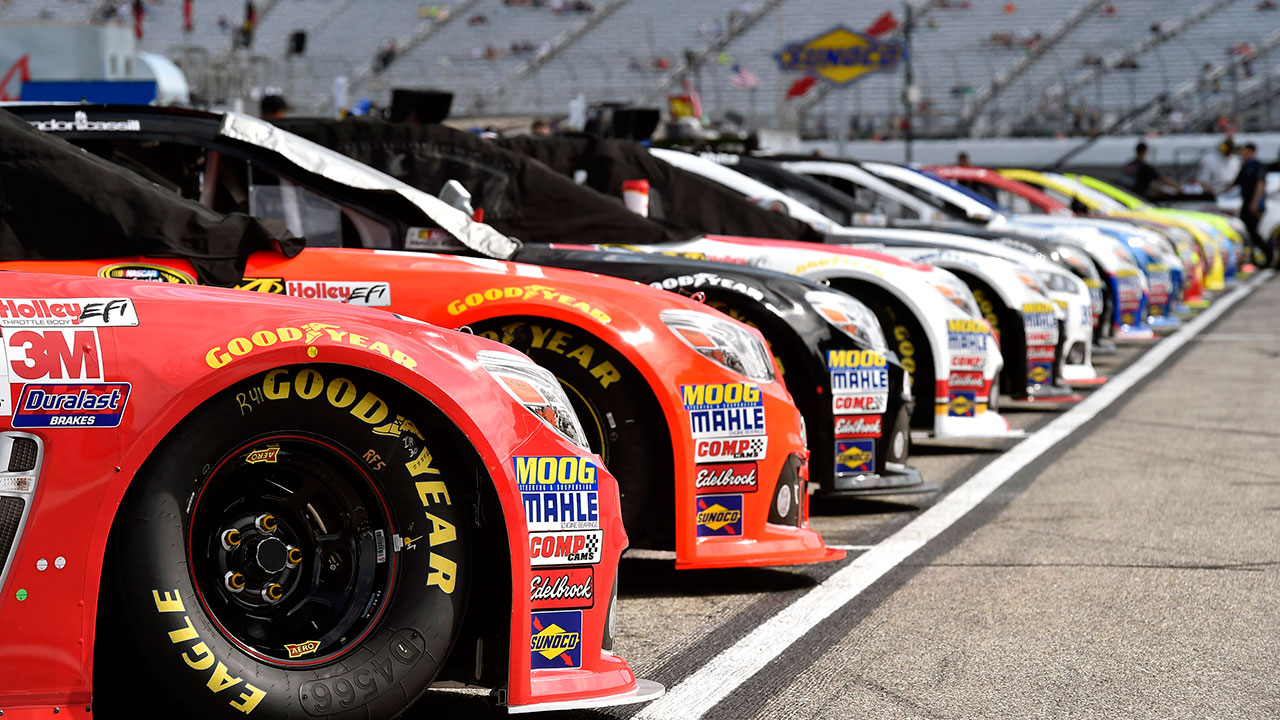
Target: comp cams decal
[
  {"x": 719, "y": 515},
  {"x": 859, "y": 381},
  {"x": 727, "y": 421},
  {"x": 573, "y": 547},
  {"x": 68, "y": 312},
  {"x": 559, "y": 493},
  {"x": 355, "y": 292},
  {"x": 145, "y": 271},
  {"x": 556, "y": 640},
  {"x": 558, "y": 588},
  {"x": 307, "y": 334}
]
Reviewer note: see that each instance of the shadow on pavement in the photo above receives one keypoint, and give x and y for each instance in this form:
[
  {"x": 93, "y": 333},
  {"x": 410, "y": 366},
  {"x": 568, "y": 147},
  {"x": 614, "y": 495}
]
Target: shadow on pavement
[{"x": 638, "y": 577}]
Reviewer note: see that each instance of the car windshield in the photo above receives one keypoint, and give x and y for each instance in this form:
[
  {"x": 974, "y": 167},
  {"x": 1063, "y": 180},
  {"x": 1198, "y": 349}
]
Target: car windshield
[
  {"x": 1090, "y": 196},
  {"x": 979, "y": 197}
]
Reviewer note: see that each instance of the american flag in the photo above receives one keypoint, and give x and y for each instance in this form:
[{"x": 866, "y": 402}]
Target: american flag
[{"x": 743, "y": 79}]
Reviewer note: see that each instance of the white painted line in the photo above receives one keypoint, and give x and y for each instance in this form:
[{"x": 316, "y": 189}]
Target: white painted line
[
  {"x": 851, "y": 547},
  {"x": 716, "y": 680}
]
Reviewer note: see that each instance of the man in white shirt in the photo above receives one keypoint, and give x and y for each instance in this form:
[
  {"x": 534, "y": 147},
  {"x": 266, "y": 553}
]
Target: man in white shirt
[{"x": 1219, "y": 170}]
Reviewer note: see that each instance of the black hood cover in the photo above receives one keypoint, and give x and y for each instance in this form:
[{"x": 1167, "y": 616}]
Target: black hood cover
[
  {"x": 58, "y": 202},
  {"x": 526, "y": 189}
]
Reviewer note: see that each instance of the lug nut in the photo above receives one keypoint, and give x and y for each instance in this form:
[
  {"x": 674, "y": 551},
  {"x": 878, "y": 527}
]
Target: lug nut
[
  {"x": 273, "y": 592},
  {"x": 230, "y": 539},
  {"x": 266, "y": 522},
  {"x": 234, "y": 581},
  {"x": 295, "y": 556}
]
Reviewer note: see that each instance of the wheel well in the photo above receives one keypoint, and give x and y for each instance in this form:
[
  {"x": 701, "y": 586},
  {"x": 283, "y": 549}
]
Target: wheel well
[
  {"x": 489, "y": 591},
  {"x": 658, "y": 531}
]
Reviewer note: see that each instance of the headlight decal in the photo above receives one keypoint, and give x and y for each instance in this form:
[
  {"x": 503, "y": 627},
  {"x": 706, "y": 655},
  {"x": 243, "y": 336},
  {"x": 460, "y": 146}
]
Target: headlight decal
[
  {"x": 537, "y": 390},
  {"x": 723, "y": 341},
  {"x": 849, "y": 316}
]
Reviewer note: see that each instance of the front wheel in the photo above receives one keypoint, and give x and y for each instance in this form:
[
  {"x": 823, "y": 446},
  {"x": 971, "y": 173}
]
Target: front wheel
[{"x": 297, "y": 546}]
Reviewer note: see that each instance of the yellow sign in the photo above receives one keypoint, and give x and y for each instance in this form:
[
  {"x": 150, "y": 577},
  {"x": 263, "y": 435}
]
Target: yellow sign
[{"x": 841, "y": 55}]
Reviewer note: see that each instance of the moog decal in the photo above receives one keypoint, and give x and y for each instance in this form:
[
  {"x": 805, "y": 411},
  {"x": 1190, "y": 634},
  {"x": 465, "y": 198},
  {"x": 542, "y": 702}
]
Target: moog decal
[{"x": 559, "y": 493}]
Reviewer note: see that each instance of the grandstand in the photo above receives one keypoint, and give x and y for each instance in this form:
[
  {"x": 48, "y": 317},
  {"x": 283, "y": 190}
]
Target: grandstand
[{"x": 981, "y": 67}]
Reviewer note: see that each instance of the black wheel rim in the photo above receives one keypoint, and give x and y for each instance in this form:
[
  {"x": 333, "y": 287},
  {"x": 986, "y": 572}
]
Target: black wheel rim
[{"x": 288, "y": 549}]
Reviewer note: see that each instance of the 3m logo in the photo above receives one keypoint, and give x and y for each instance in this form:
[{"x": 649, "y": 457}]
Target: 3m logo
[
  {"x": 54, "y": 354},
  {"x": 556, "y": 640},
  {"x": 719, "y": 515}
]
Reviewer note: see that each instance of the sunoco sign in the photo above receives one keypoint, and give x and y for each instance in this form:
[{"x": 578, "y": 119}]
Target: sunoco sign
[{"x": 841, "y": 55}]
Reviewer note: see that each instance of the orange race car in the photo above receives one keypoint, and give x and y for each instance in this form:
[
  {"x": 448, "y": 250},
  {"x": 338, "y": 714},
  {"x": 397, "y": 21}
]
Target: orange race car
[{"x": 666, "y": 387}]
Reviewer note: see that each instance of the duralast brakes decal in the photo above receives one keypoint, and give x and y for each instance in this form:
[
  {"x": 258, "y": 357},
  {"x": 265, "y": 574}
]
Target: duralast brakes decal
[
  {"x": 68, "y": 312},
  {"x": 240, "y": 695},
  {"x": 557, "y": 588},
  {"x": 144, "y": 271},
  {"x": 527, "y": 293},
  {"x": 367, "y": 293},
  {"x": 860, "y": 426},
  {"x": 306, "y": 334},
  {"x": 297, "y": 650},
  {"x": 727, "y": 477},
  {"x": 730, "y": 449},
  {"x": 724, "y": 409},
  {"x": 705, "y": 279},
  {"x": 561, "y": 342},
  {"x": 53, "y": 405},
  {"x": 855, "y": 457},
  {"x": 559, "y": 493},
  {"x": 719, "y": 515},
  {"x": 556, "y": 640},
  {"x": 366, "y": 406},
  {"x": 572, "y": 547},
  {"x": 57, "y": 378}
]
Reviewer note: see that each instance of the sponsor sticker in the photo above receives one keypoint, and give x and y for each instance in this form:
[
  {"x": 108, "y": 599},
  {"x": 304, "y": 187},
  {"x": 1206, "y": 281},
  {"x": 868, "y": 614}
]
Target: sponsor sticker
[
  {"x": 355, "y": 292},
  {"x": 572, "y": 547},
  {"x": 269, "y": 454},
  {"x": 858, "y": 427},
  {"x": 572, "y": 587},
  {"x": 556, "y": 641},
  {"x": 1040, "y": 323},
  {"x": 967, "y": 336},
  {"x": 1128, "y": 291},
  {"x": 80, "y": 122},
  {"x": 68, "y": 312},
  {"x": 724, "y": 409},
  {"x": 147, "y": 272},
  {"x": 1040, "y": 372},
  {"x": 961, "y": 404},
  {"x": 1041, "y": 353},
  {"x": 730, "y": 449},
  {"x": 719, "y": 516},
  {"x": 966, "y": 379},
  {"x": 527, "y": 293},
  {"x": 702, "y": 279},
  {"x": 732, "y": 477},
  {"x": 306, "y": 334},
  {"x": 858, "y": 404},
  {"x": 297, "y": 650},
  {"x": 559, "y": 493},
  {"x": 50, "y": 405},
  {"x": 855, "y": 456},
  {"x": 858, "y": 372}
]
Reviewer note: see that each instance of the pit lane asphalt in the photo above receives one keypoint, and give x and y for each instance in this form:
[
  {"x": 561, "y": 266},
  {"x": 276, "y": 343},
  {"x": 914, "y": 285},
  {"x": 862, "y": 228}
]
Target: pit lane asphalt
[{"x": 1128, "y": 572}]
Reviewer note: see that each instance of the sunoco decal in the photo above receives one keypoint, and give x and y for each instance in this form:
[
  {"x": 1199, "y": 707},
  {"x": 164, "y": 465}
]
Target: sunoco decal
[
  {"x": 556, "y": 641},
  {"x": 855, "y": 457},
  {"x": 719, "y": 516},
  {"x": 68, "y": 312},
  {"x": 559, "y": 493},
  {"x": 562, "y": 588},
  {"x": 961, "y": 404},
  {"x": 575, "y": 547},
  {"x": 730, "y": 477}
]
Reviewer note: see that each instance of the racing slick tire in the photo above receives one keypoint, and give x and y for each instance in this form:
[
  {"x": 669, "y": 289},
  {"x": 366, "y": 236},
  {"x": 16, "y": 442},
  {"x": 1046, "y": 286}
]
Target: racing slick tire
[
  {"x": 298, "y": 546},
  {"x": 619, "y": 414}
]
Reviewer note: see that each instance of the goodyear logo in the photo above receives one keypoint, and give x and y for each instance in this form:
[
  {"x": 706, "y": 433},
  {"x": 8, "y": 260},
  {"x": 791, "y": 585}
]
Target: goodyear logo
[
  {"x": 855, "y": 456},
  {"x": 855, "y": 359},
  {"x": 841, "y": 55},
  {"x": 556, "y": 640},
  {"x": 724, "y": 409},
  {"x": 962, "y": 404},
  {"x": 719, "y": 515}
]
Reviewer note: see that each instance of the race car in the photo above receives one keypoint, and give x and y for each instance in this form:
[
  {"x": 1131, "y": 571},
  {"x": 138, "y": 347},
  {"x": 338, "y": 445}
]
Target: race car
[
  {"x": 669, "y": 389},
  {"x": 805, "y": 324},
  {"x": 226, "y": 506}
]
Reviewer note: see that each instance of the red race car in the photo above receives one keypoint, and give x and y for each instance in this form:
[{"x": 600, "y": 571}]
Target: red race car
[
  {"x": 683, "y": 402},
  {"x": 298, "y": 509}
]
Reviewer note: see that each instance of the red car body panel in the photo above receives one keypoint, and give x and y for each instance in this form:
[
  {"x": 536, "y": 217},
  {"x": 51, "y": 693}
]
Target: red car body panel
[
  {"x": 46, "y": 657},
  {"x": 455, "y": 291},
  {"x": 1038, "y": 199}
]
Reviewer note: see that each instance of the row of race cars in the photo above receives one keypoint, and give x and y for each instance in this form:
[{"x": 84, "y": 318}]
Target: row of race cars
[{"x": 244, "y": 502}]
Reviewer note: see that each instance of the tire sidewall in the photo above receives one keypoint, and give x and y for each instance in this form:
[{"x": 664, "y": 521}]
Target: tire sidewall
[{"x": 188, "y": 656}]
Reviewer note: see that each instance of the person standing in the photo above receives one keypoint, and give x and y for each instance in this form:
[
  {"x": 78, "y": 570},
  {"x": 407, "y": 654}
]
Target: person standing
[
  {"x": 1142, "y": 175},
  {"x": 1253, "y": 200},
  {"x": 1218, "y": 170}
]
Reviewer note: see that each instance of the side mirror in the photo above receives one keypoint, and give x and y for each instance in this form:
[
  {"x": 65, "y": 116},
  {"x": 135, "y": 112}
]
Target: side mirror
[{"x": 456, "y": 194}]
